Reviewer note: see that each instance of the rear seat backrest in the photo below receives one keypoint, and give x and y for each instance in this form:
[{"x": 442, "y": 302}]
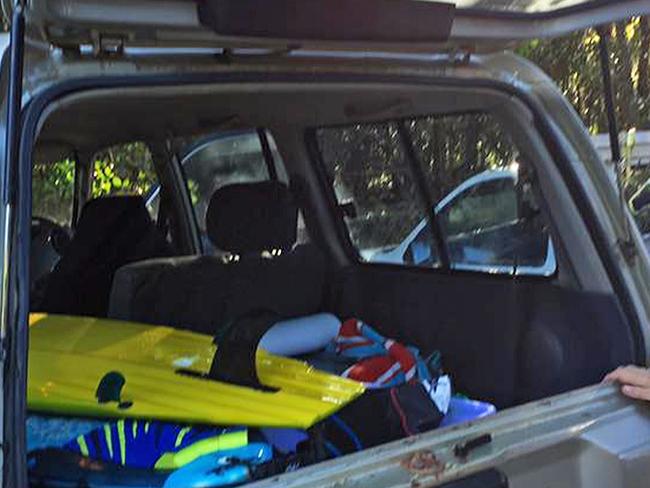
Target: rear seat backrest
[
  {"x": 111, "y": 232},
  {"x": 204, "y": 293}
]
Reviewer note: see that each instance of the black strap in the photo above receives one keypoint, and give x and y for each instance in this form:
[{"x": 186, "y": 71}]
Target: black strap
[
  {"x": 308, "y": 452},
  {"x": 234, "y": 361}
]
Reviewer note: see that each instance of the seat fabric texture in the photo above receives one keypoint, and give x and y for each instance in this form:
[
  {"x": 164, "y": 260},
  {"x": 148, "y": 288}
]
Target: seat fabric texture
[
  {"x": 111, "y": 232},
  {"x": 206, "y": 293}
]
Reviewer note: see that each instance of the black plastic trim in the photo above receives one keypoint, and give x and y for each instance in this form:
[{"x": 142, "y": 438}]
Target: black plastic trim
[
  {"x": 330, "y": 20},
  {"x": 16, "y": 183},
  {"x": 263, "y": 137},
  {"x": 335, "y": 212}
]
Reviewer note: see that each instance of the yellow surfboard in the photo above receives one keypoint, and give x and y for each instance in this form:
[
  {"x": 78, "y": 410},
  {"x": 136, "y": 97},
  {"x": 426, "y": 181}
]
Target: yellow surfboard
[{"x": 69, "y": 356}]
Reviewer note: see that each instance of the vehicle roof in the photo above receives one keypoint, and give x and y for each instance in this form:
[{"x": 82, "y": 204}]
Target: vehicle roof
[
  {"x": 421, "y": 26},
  {"x": 194, "y": 111}
]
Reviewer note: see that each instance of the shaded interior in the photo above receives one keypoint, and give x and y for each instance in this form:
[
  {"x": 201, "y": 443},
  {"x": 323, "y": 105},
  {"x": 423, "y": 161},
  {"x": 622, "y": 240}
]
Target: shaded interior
[{"x": 520, "y": 339}]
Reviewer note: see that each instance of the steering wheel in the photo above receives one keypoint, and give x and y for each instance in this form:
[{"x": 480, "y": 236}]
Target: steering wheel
[{"x": 49, "y": 241}]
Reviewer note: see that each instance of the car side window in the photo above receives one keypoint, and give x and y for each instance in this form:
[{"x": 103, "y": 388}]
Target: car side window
[
  {"x": 219, "y": 160},
  {"x": 226, "y": 158},
  {"x": 484, "y": 205},
  {"x": 462, "y": 167},
  {"x": 422, "y": 251}
]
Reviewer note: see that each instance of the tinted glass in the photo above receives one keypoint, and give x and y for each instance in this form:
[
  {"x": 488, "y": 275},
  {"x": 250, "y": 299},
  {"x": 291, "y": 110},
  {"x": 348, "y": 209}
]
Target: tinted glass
[
  {"x": 392, "y": 179},
  {"x": 227, "y": 158}
]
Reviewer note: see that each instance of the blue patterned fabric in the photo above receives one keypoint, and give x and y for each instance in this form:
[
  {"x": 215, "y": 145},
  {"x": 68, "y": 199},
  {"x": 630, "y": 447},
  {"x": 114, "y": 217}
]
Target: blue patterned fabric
[{"x": 137, "y": 443}]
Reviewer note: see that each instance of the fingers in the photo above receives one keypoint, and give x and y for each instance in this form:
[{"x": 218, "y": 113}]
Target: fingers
[
  {"x": 630, "y": 375},
  {"x": 636, "y": 392},
  {"x": 635, "y": 381}
]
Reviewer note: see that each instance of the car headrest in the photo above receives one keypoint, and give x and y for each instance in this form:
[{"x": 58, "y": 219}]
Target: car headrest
[
  {"x": 104, "y": 210},
  {"x": 105, "y": 218},
  {"x": 252, "y": 217}
]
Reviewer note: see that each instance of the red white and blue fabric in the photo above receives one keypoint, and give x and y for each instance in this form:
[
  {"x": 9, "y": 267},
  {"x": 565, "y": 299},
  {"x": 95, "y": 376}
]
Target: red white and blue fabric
[{"x": 382, "y": 363}]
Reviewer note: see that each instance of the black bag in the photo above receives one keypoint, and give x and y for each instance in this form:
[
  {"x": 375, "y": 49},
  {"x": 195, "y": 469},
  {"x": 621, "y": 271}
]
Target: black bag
[{"x": 380, "y": 416}]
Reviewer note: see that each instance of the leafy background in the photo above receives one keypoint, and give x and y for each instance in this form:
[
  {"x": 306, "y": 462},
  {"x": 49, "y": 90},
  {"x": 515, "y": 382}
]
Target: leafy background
[
  {"x": 126, "y": 169},
  {"x": 573, "y": 63}
]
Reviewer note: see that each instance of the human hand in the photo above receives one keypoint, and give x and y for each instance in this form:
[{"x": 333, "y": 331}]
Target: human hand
[{"x": 635, "y": 381}]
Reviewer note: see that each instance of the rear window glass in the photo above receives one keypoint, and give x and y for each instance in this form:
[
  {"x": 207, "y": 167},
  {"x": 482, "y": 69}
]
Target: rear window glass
[{"x": 434, "y": 189}]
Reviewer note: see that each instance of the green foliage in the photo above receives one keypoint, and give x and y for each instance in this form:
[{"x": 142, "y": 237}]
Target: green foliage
[
  {"x": 52, "y": 190},
  {"x": 193, "y": 188},
  {"x": 573, "y": 62},
  {"x": 125, "y": 169}
]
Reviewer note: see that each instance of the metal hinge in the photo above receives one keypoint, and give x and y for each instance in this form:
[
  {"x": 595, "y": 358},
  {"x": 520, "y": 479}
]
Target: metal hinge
[
  {"x": 108, "y": 45},
  {"x": 460, "y": 55}
]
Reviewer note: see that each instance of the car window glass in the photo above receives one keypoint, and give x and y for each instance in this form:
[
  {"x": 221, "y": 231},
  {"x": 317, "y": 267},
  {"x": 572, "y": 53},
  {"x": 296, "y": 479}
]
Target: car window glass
[
  {"x": 227, "y": 158},
  {"x": 53, "y": 190},
  {"x": 125, "y": 169},
  {"x": 422, "y": 250},
  {"x": 482, "y": 206},
  {"x": 463, "y": 171},
  {"x": 369, "y": 171}
]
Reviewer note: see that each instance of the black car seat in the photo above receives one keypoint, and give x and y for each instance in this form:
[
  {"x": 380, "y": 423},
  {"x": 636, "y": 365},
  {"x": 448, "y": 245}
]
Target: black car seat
[
  {"x": 255, "y": 224},
  {"x": 111, "y": 232}
]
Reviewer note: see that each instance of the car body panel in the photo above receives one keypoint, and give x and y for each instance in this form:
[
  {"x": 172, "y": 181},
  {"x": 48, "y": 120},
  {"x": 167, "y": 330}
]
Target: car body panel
[
  {"x": 579, "y": 439},
  {"x": 485, "y": 24}
]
